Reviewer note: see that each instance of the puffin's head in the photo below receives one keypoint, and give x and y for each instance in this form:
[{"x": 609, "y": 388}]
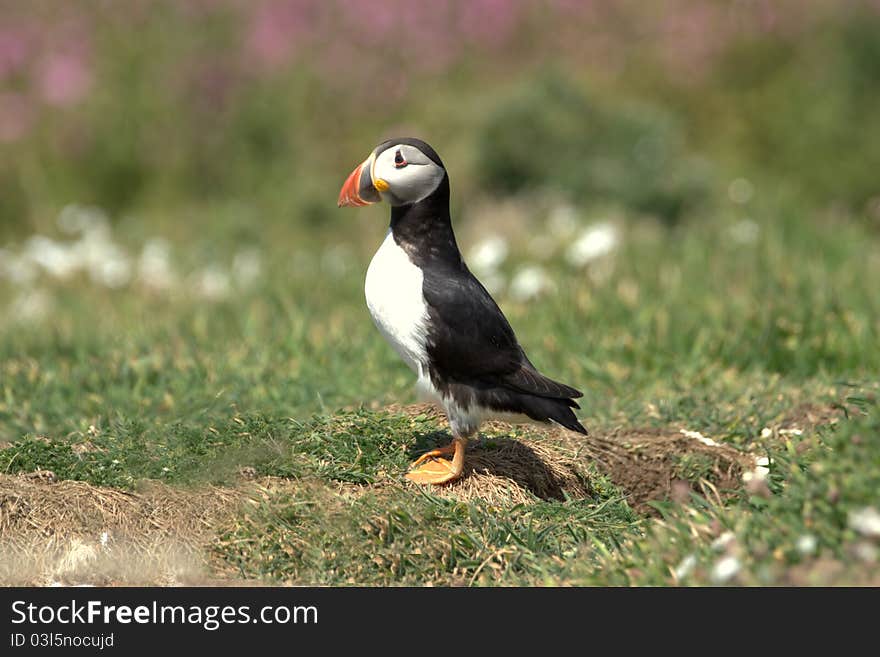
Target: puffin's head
[{"x": 399, "y": 171}]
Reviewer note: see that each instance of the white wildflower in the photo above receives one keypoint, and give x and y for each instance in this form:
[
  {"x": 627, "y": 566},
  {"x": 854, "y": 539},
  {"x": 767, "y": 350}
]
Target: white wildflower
[
  {"x": 154, "y": 264},
  {"x": 212, "y": 283},
  {"x": 745, "y": 231},
  {"x": 758, "y": 474},
  {"x": 247, "y": 266},
  {"x": 685, "y": 567},
  {"x": 806, "y": 544},
  {"x": 106, "y": 262},
  {"x": 30, "y": 305},
  {"x": 55, "y": 258},
  {"x": 17, "y": 269},
  {"x": 75, "y": 219},
  {"x": 865, "y": 521},
  {"x": 529, "y": 282},
  {"x": 94, "y": 252},
  {"x": 761, "y": 471},
  {"x": 865, "y": 551},
  {"x": 594, "y": 242},
  {"x": 762, "y": 466},
  {"x": 725, "y": 569},
  {"x": 114, "y": 271},
  {"x": 723, "y": 541},
  {"x": 488, "y": 254}
]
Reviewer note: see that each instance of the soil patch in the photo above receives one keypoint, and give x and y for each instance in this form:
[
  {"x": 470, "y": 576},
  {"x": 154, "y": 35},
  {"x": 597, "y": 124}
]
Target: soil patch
[{"x": 652, "y": 465}]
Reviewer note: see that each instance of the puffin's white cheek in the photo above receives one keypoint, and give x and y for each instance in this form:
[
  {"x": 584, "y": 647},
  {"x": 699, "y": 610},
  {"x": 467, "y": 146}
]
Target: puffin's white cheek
[
  {"x": 410, "y": 186},
  {"x": 417, "y": 182}
]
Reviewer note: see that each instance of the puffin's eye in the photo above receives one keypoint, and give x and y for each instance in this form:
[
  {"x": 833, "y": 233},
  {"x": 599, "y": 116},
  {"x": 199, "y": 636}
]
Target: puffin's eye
[{"x": 399, "y": 160}]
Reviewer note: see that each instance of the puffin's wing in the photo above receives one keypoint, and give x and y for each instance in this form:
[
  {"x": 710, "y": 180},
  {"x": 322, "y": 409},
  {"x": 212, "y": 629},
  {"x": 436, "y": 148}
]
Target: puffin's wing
[
  {"x": 528, "y": 379},
  {"x": 470, "y": 339}
]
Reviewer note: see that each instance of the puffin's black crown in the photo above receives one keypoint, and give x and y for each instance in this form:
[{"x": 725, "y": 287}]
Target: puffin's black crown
[{"x": 412, "y": 141}]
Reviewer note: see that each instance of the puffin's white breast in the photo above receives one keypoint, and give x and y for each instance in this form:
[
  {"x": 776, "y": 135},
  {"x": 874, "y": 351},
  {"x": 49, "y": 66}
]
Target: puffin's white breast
[{"x": 394, "y": 297}]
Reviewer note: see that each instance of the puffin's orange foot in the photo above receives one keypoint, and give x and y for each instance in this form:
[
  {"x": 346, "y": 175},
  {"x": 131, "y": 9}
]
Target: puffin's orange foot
[
  {"x": 431, "y": 469},
  {"x": 440, "y": 471},
  {"x": 440, "y": 451}
]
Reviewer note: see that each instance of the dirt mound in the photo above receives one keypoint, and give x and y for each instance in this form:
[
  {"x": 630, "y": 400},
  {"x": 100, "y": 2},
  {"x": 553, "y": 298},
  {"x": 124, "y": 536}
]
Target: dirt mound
[
  {"x": 71, "y": 531},
  {"x": 508, "y": 472},
  {"x": 651, "y": 465},
  {"x": 808, "y": 416},
  {"x": 553, "y": 464}
]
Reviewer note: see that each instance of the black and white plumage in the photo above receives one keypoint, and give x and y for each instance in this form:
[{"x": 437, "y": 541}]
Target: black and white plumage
[{"x": 433, "y": 311}]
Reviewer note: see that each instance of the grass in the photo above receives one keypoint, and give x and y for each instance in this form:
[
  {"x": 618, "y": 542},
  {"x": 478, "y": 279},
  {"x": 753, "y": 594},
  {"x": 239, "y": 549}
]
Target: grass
[
  {"x": 418, "y": 539},
  {"x": 815, "y": 485},
  {"x": 682, "y": 328}
]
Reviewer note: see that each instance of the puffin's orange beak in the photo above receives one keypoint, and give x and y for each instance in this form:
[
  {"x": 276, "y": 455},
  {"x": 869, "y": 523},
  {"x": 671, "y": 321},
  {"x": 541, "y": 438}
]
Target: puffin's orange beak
[{"x": 358, "y": 189}]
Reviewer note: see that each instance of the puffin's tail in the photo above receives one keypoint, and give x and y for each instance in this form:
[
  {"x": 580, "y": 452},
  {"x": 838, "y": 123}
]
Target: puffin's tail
[
  {"x": 547, "y": 409},
  {"x": 543, "y": 409},
  {"x": 542, "y": 398}
]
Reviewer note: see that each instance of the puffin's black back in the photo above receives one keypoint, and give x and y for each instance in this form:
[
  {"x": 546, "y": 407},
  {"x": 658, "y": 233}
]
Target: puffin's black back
[{"x": 473, "y": 353}]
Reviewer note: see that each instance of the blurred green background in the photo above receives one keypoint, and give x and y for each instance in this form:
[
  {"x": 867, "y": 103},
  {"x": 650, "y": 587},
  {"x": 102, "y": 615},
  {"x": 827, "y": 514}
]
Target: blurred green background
[
  {"x": 645, "y": 187},
  {"x": 676, "y": 204},
  {"x": 262, "y": 106}
]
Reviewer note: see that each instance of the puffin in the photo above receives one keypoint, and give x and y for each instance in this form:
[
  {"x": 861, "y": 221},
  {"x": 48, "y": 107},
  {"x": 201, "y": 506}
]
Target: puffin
[{"x": 438, "y": 317}]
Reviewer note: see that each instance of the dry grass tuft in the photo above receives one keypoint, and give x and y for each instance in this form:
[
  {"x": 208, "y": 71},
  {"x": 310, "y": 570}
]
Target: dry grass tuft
[
  {"x": 509, "y": 472},
  {"x": 71, "y": 531}
]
